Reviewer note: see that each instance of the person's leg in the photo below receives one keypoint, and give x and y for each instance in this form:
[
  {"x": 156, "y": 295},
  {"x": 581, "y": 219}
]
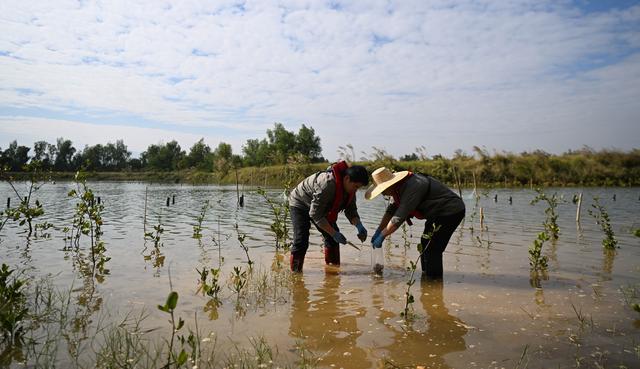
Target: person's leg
[
  {"x": 431, "y": 258},
  {"x": 301, "y": 224},
  {"x": 331, "y": 247}
]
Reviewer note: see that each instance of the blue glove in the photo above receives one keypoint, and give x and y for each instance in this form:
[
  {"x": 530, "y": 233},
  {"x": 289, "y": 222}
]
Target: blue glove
[
  {"x": 340, "y": 238},
  {"x": 376, "y": 242},
  {"x": 362, "y": 232},
  {"x": 375, "y": 234}
]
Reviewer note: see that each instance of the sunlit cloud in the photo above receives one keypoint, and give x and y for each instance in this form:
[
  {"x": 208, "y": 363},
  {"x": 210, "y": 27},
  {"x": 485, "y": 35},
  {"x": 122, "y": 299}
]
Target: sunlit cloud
[{"x": 515, "y": 75}]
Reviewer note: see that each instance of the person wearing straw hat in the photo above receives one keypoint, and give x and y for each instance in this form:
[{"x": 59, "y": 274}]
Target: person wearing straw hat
[
  {"x": 423, "y": 197},
  {"x": 318, "y": 199}
]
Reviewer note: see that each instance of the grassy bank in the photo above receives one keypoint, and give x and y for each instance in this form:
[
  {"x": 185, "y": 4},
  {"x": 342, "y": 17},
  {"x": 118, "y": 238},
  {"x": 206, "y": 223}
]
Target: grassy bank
[{"x": 582, "y": 168}]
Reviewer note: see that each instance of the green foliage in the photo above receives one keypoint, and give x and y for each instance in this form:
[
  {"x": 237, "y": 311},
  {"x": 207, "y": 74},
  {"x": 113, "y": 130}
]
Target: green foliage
[
  {"x": 537, "y": 261},
  {"x": 13, "y": 307},
  {"x": 413, "y": 265},
  {"x": 177, "y": 359},
  {"x": 602, "y": 218},
  {"x": 156, "y": 235},
  {"x": 551, "y": 221},
  {"x": 238, "y": 281},
  {"x": 637, "y": 232},
  {"x": 211, "y": 288},
  {"x": 280, "y": 210},
  {"x": 245, "y": 248},
  {"x": 87, "y": 221},
  {"x": 25, "y": 213},
  {"x": 197, "y": 229}
]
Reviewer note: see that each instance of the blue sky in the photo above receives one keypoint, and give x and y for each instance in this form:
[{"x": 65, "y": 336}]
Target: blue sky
[{"x": 397, "y": 75}]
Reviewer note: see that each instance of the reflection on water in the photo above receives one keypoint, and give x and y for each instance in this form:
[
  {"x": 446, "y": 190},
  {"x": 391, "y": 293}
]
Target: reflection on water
[
  {"x": 332, "y": 323},
  {"x": 326, "y": 322}
]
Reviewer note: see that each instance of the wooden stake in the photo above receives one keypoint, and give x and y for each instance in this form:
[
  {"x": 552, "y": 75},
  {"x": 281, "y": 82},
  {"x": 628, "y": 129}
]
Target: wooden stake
[
  {"x": 237, "y": 189},
  {"x": 481, "y": 219},
  {"x": 144, "y": 225},
  {"x": 579, "y": 206}
]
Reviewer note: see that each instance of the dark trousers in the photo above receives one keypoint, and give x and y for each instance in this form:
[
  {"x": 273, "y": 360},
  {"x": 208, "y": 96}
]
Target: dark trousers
[
  {"x": 301, "y": 222},
  {"x": 431, "y": 258}
]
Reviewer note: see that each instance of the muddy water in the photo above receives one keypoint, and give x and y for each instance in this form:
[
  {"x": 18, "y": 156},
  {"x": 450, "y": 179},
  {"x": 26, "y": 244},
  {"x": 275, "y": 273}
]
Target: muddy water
[{"x": 486, "y": 313}]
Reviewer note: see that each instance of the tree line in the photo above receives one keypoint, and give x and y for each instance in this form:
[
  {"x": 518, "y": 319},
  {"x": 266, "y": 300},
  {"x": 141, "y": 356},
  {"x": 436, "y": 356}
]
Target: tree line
[
  {"x": 278, "y": 147},
  {"x": 282, "y": 148}
]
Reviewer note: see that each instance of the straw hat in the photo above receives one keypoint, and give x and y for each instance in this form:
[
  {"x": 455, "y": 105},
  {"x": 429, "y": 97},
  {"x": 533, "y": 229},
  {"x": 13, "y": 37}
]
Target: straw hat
[{"x": 383, "y": 178}]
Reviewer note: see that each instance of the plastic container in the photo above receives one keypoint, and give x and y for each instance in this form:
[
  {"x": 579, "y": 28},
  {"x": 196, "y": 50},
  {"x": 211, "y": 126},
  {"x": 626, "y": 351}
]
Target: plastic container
[{"x": 377, "y": 260}]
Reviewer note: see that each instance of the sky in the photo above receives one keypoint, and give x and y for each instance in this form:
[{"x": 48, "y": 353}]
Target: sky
[{"x": 445, "y": 75}]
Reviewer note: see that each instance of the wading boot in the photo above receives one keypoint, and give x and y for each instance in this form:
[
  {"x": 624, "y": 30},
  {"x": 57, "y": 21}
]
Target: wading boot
[
  {"x": 431, "y": 263},
  {"x": 332, "y": 255},
  {"x": 296, "y": 261}
]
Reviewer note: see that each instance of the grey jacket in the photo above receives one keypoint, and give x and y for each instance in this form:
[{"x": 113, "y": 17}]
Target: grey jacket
[
  {"x": 316, "y": 194},
  {"x": 426, "y": 195}
]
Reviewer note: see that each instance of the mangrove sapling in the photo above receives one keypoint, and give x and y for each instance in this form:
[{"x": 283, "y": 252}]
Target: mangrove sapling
[
  {"x": 537, "y": 261},
  {"x": 551, "y": 221},
  {"x": 406, "y": 239},
  {"x": 25, "y": 213},
  {"x": 212, "y": 288},
  {"x": 602, "y": 218},
  {"x": 87, "y": 220},
  {"x": 197, "y": 229},
  {"x": 238, "y": 281},
  {"x": 245, "y": 248},
  {"x": 169, "y": 308},
  {"x": 279, "y": 227},
  {"x": 13, "y": 305},
  {"x": 409, "y": 299}
]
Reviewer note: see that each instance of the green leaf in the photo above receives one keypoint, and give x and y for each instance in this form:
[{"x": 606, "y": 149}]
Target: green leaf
[
  {"x": 163, "y": 308},
  {"x": 180, "y": 324},
  {"x": 182, "y": 358},
  {"x": 636, "y": 307},
  {"x": 172, "y": 300}
]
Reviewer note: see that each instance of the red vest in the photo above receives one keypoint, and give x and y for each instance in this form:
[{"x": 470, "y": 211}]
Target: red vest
[
  {"x": 396, "y": 200},
  {"x": 338, "y": 169}
]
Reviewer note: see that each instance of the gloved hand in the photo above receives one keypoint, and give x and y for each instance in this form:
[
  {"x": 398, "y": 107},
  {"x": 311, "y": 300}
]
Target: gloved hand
[
  {"x": 375, "y": 234},
  {"x": 340, "y": 238},
  {"x": 376, "y": 241},
  {"x": 362, "y": 232}
]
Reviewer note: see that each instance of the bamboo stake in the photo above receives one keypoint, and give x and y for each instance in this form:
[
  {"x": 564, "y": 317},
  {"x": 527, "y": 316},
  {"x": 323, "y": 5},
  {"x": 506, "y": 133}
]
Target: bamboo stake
[
  {"x": 481, "y": 219},
  {"x": 237, "y": 189}
]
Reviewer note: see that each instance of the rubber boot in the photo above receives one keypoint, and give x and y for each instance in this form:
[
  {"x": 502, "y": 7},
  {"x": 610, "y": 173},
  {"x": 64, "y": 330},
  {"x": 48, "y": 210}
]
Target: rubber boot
[
  {"x": 431, "y": 263},
  {"x": 296, "y": 261},
  {"x": 332, "y": 255}
]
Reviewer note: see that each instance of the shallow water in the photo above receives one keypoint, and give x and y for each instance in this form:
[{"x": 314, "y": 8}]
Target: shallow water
[{"x": 486, "y": 313}]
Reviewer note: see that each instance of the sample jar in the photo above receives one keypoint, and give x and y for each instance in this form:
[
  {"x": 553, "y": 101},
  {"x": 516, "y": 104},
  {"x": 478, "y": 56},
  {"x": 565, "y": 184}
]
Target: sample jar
[{"x": 377, "y": 260}]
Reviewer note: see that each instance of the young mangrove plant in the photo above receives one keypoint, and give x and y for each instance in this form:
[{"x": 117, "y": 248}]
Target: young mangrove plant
[
  {"x": 87, "y": 221},
  {"x": 245, "y": 248},
  {"x": 551, "y": 221},
  {"x": 169, "y": 308},
  {"x": 197, "y": 229},
  {"x": 537, "y": 261},
  {"x": 238, "y": 281},
  {"x": 156, "y": 235},
  {"x": 602, "y": 218},
  {"x": 212, "y": 288},
  {"x": 413, "y": 265},
  {"x": 25, "y": 212},
  {"x": 279, "y": 227},
  {"x": 13, "y": 305}
]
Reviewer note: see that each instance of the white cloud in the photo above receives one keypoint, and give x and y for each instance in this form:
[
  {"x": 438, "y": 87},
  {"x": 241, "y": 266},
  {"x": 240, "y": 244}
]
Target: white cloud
[{"x": 510, "y": 75}]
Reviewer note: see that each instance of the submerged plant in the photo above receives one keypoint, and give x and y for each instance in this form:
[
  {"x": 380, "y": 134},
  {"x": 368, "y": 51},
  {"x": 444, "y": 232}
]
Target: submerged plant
[
  {"x": 413, "y": 265},
  {"x": 551, "y": 221},
  {"x": 602, "y": 218}
]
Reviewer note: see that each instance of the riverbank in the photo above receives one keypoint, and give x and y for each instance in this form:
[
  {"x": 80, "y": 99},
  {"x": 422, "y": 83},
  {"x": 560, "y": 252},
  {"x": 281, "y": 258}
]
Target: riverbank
[{"x": 465, "y": 172}]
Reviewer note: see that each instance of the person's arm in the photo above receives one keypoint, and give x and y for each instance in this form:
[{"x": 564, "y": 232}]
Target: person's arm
[{"x": 321, "y": 202}]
